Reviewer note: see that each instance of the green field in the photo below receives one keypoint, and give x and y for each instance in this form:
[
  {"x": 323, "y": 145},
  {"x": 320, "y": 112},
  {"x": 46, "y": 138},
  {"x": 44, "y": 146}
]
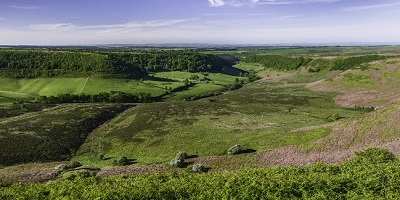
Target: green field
[
  {"x": 157, "y": 84},
  {"x": 55, "y": 86},
  {"x": 212, "y": 83}
]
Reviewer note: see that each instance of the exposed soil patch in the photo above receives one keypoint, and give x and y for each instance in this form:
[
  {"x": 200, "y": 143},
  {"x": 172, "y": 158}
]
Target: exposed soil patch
[
  {"x": 116, "y": 171},
  {"x": 29, "y": 173}
]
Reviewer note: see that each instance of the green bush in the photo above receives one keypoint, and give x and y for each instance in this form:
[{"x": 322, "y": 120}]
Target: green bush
[
  {"x": 373, "y": 156},
  {"x": 122, "y": 161},
  {"x": 181, "y": 155},
  {"x": 62, "y": 167},
  {"x": 199, "y": 168},
  {"x": 176, "y": 162},
  {"x": 237, "y": 149},
  {"x": 100, "y": 156}
]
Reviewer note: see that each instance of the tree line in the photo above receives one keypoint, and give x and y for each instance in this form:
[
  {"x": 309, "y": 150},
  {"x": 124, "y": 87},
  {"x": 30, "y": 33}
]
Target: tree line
[
  {"x": 351, "y": 62},
  {"x": 41, "y": 63},
  {"x": 278, "y": 62},
  {"x": 103, "y": 97}
]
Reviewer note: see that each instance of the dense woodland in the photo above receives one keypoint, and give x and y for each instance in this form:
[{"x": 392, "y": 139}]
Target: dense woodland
[
  {"x": 278, "y": 62},
  {"x": 32, "y": 64},
  {"x": 351, "y": 62}
]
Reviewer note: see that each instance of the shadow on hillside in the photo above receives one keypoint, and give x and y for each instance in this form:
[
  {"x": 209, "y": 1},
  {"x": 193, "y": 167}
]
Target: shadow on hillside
[
  {"x": 186, "y": 164},
  {"x": 206, "y": 169},
  {"x": 132, "y": 161},
  {"x": 191, "y": 156},
  {"x": 233, "y": 71},
  {"x": 248, "y": 151},
  {"x": 160, "y": 79}
]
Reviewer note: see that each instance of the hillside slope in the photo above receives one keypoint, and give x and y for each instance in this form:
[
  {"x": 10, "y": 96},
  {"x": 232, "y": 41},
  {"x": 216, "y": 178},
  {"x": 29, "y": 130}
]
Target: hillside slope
[{"x": 50, "y": 134}]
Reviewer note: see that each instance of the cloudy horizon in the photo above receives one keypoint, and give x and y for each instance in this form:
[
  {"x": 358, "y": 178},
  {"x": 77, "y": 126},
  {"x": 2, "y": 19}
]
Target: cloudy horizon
[{"x": 56, "y": 22}]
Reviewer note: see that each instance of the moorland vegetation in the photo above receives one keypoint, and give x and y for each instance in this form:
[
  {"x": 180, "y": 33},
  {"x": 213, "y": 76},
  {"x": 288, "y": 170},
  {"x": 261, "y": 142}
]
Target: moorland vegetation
[{"x": 236, "y": 117}]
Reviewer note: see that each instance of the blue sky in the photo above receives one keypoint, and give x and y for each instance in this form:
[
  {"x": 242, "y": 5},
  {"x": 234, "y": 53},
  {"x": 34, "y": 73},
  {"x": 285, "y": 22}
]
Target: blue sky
[{"x": 71, "y": 22}]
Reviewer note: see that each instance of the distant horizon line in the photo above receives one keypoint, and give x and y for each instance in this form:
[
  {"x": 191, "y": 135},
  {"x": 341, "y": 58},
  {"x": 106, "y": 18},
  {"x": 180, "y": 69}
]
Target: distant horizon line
[{"x": 304, "y": 44}]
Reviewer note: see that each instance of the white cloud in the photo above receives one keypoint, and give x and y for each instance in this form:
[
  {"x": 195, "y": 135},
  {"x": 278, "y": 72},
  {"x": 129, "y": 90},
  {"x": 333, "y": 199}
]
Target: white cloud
[
  {"x": 216, "y": 3},
  {"x": 136, "y": 25},
  {"x": 273, "y": 29},
  {"x": 359, "y": 8},
  {"x": 111, "y": 28},
  {"x": 25, "y": 7},
  {"x": 238, "y": 3},
  {"x": 53, "y": 27}
]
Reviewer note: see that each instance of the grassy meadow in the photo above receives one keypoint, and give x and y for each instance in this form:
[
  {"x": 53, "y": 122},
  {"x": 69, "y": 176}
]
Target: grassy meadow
[
  {"x": 259, "y": 116},
  {"x": 157, "y": 84},
  {"x": 30, "y": 88}
]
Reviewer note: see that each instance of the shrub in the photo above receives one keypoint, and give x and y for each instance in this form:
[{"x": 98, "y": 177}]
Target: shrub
[
  {"x": 374, "y": 156},
  {"x": 176, "y": 162},
  {"x": 194, "y": 77},
  {"x": 199, "y": 168},
  {"x": 181, "y": 155},
  {"x": 62, "y": 167},
  {"x": 100, "y": 156},
  {"x": 235, "y": 149},
  {"x": 121, "y": 161}
]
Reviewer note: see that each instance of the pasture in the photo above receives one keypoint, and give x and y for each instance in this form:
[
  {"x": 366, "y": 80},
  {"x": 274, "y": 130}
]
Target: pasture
[{"x": 157, "y": 84}]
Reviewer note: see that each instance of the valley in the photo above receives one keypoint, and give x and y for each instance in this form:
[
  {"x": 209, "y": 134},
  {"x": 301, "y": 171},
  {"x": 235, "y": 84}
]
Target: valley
[{"x": 297, "y": 113}]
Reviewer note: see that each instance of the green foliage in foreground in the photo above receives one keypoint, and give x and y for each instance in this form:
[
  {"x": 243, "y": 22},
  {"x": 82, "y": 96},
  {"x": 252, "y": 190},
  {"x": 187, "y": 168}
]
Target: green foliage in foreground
[{"x": 372, "y": 174}]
